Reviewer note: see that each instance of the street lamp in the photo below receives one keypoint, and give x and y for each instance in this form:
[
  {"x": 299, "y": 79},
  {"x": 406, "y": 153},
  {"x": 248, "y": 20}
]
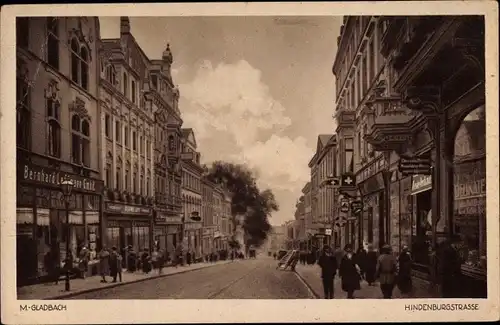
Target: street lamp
[{"x": 67, "y": 188}]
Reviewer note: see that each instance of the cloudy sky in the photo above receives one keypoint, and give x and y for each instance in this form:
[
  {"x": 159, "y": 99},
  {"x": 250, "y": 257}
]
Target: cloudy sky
[{"x": 256, "y": 90}]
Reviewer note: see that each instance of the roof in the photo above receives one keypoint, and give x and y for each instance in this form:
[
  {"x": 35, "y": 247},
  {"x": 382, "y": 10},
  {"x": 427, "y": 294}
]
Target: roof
[
  {"x": 186, "y": 132},
  {"x": 324, "y": 138}
]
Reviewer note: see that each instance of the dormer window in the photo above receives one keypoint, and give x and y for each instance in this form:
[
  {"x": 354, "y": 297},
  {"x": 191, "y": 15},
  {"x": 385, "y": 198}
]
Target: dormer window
[{"x": 154, "y": 81}]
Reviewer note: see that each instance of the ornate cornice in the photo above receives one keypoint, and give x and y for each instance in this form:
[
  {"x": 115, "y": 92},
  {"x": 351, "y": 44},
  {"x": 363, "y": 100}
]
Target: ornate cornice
[
  {"x": 78, "y": 107},
  {"x": 424, "y": 99}
]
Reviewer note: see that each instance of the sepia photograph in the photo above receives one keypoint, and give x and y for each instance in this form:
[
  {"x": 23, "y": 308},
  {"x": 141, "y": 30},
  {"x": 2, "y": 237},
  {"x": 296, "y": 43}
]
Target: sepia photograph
[{"x": 258, "y": 157}]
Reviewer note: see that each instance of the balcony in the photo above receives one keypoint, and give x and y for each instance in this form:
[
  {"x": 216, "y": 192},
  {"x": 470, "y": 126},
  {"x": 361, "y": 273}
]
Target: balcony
[{"x": 392, "y": 128}]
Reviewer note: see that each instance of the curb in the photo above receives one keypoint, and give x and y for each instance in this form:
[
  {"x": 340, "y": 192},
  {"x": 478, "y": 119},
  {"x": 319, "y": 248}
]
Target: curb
[
  {"x": 309, "y": 288},
  {"x": 119, "y": 284}
]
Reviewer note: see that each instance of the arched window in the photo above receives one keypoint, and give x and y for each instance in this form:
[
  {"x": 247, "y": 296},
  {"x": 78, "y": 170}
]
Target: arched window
[
  {"x": 80, "y": 141},
  {"x": 53, "y": 128},
  {"x": 23, "y": 113},
  {"x": 79, "y": 64},
  {"x": 469, "y": 187},
  {"x": 53, "y": 42}
]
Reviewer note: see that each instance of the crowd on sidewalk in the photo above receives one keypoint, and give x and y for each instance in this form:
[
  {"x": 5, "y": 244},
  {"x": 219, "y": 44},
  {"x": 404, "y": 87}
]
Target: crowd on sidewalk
[{"x": 385, "y": 267}]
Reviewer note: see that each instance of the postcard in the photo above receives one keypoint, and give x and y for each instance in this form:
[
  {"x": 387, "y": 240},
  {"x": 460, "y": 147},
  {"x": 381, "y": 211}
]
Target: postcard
[{"x": 247, "y": 162}]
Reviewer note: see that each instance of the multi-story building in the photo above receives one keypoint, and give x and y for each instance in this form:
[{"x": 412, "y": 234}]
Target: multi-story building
[
  {"x": 227, "y": 223},
  {"x": 127, "y": 137},
  {"x": 207, "y": 212},
  {"x": 163, "y": 97},
  {"x": 310, "y": 231},
  {"x": 191, "y": 192},
  {"x": 323, "y": 194},
  {"x": 418, "y": 94},
  {"x": 58, "y": 136},
  {"x": 300, "y": 221}
]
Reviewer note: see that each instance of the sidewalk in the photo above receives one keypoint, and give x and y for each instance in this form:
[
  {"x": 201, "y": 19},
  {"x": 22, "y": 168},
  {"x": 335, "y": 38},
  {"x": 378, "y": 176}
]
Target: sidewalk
[
  {"x": 51, "y": 291},
  {"x": 311, "y": 275}
]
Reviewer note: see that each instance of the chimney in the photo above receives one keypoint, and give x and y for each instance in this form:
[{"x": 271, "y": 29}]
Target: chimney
[{"x": 124, "y": 25}]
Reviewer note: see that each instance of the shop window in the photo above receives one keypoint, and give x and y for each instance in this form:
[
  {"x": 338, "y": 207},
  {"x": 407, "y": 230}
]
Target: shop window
[
  {"x": 23, "y": 113},
  {"x": 22, "y": 32},
  {"x": 113, "y": 234},
  {"x": 54, "y": 128},
  {"x": 53, "y": 42},
  {"x": 469, "y": 188}
]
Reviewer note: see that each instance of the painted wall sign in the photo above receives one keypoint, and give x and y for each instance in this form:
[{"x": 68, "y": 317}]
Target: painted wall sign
[
  {"x": 126, "y": 209},
  {"x": 48, "y": 176}
]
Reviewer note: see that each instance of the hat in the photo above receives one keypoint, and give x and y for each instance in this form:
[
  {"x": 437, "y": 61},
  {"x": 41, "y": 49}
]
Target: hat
[
  {"x": 348, "y": 246},
  {"x": 113, "y": 248}
]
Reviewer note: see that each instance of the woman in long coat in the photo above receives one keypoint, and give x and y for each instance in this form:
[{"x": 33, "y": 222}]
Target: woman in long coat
[
  {"x": 104, "y": 263},
  {"x": 386, "y": 271},
  {"x": 370, "y": 265},
  {"x": 349, "y": 273},
  {"x": 404, "y": 282}
]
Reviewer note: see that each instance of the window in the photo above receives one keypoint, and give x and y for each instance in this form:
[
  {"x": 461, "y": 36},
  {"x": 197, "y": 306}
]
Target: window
[
  {"x": 373, "y": 61},
  {"x": 353, "y": 96},
  {"x": 79, "y": 64},
  {"x": 359, "y": 91},
  {"x": 349, "y": 151},
  {"x": 141, "y": 188},
  {"x": 134, "y": 183},
  {"x": 23, "y": 113},
  {"x": 22, "y": 31},
  {"x": 54, "y": 128},
  {"x": 141, "y": 146},
  {"x": 365, "y": 77},
  {"x": 154, "y": 81},
  {"x": 108, "y": 175},
  {"x": 111, "y": 74},
  {"x": 117, "y": 132},
  {"x": 147, "y": 186},
  {"x": 80, "y": 141},
  {"x": 134, "y": 141},
  {"x": 118, "y": 178},
  {"x": 133, "y": 91},
  {"x": 365, "y": 145},
  {"x": 127, "y": 180},
  {"x": 171, "y": 143},
  {"x": 126, "y": 135},
  {"x": 147, "y": 148},
  {"x": 53, "y": 42},
  {"x": 125, "y": 85},
  {"x": 107, "y": 125}
]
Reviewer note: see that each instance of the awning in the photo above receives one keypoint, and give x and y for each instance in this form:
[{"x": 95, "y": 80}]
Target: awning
[
  {"x": 24, "y": 215},
  {"x": 75, "y": 217},
  {"x": 42, "y": 217},
  {"x": 92, "y": 217}
]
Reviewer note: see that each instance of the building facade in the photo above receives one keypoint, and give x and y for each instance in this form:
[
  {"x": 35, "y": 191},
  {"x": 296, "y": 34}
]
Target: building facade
[
  {"x": 324, "y": 195},
  {"x": 57, "y": 125},
  {"x": 127, "y": 137},
  {"x": 208, "y": 212},
  {"x": 163, "y": 98},
  {"x": 407, "y": 96},
  {"x": 191, "y": 192}
]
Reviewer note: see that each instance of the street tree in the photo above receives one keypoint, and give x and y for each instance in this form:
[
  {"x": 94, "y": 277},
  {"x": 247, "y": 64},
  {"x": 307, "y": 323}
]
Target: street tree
[{"x": 246, "y": 200}]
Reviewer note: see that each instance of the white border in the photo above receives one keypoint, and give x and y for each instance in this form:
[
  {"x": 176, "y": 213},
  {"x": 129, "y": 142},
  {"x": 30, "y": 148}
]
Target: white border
[{"x": 229, "y": 311}]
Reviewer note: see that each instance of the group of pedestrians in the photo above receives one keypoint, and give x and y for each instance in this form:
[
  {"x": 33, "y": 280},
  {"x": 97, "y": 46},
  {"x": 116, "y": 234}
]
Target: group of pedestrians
[{"x": 369, "y": 266}]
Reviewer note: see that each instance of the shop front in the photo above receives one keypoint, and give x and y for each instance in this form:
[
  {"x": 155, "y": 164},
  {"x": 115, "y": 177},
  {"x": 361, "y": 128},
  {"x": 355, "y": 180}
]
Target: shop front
[
  {"x": 128, "y": 225},
  {"x": 373, "y": 221},
  {"x": 44, "y": 225},
  {"x": 469, "y": 200},
  {"x": 192, "y": 231},
  {"x": 217, "y": 240},
  {"x": 207, "y": 240},
  {"x": 421, "y": 225},
  {"x": 167, "y": 229}
]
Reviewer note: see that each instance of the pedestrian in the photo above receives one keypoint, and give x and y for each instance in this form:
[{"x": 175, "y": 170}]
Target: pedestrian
[
  {"x": 154, "y": 258},
  {"x": 360, "y": 258},
  {"x": 113, "y": 263},
  {"x": 146, "y": 261},
  {"x": 450, "y": 268},
  {"x": 339, "y": 254},
  {"x": 119, "y": 266},
  {"x": 53, "y": 263},
  {"x": 371, "y": 265},
  {"x": 161, "y": 260},
  {"x": 131, "y": 259},
  {"x": 349, "y": 272},
  {"x": 188, "y": 258},
  {"x": 83, "y": 262},
  {"x": 328, "y": 264},
  {"x": 386, "y": 271},
  {"x": 404, "y": 281},
  {"x": 104, "y": 263},
  {"x": 434, "y": 270}
]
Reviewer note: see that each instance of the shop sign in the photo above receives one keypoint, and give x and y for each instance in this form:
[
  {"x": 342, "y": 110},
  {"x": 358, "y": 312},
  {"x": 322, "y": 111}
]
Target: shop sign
[
  {"x": 421, "y": 183},
  {"x": 164, "y": 218},
  {"x": 415, "y": 165},
  {"x": 49, "y": 176},
  {"x": 192, "y": 226},
  {"x": 126, "y": 209}
]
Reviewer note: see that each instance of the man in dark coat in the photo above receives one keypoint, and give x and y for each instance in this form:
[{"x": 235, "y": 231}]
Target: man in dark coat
[
  {"x": 328, "y": 264},
  {"x": 404, "y": 281},
  {"x": 360, "y": 259},
  {"x": 450, "y": 268},
  {"x": 349, "y": 273}
]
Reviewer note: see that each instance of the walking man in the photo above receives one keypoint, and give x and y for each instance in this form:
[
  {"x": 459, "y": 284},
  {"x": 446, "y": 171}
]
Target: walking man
[{"x": 328, "y": 264}]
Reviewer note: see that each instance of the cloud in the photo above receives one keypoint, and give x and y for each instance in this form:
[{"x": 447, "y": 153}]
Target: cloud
[{"x": 235, "y": 118}]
